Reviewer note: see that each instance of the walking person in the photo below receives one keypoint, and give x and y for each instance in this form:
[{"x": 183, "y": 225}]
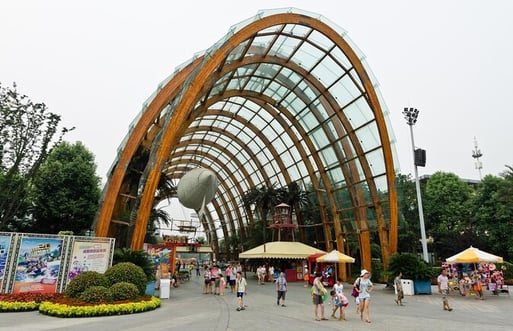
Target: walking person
[
  {"x": 340, "y": 302},
  {"x": 241, "y": 289},
  {"x": 233, "y": 276},
  {"x": 306, "y": 276},
  {"x": 206, "y": 279},
  {"x": 365, "y": 286},
  {"x": 338, "y": 287},
  {"x": 399, "y": 289},
  {"x": 477, "y": 286},
  {"x": 222, "y": 283},
  {"x": 281, "y": 289},
  {"x": 443, "y": 288},
  {"x": 318, "y": 292}
]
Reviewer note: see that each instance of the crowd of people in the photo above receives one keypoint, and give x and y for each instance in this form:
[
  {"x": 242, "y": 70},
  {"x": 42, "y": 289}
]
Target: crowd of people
[
  {"x": 217, "y": 280},
  {"x": 471, "y": 279}
]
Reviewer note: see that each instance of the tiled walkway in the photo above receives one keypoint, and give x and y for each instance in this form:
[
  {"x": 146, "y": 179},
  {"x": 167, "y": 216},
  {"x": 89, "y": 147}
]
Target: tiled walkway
[{"x": 189, "y": 309}]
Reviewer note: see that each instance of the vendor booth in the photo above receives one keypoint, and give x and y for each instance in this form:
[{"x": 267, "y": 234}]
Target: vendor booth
[
  {"x": 283, "y": 250},
  {"x": 473, "y": 268}
]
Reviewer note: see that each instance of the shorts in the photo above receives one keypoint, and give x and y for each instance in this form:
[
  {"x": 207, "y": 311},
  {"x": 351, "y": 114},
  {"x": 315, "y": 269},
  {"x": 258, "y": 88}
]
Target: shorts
[
  {"x": 240, "y": 295},
  {"x": 317, "y": 299},
  {"x": 207, "y": 281},
  {"x": 232, "y": 282}
]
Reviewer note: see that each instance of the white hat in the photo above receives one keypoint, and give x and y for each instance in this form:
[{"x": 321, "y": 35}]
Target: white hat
[{"x": 364, "y": 271}]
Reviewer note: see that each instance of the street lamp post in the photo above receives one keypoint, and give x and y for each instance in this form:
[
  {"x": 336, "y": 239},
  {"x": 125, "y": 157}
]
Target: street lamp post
[{"x": 411, "y": 114}]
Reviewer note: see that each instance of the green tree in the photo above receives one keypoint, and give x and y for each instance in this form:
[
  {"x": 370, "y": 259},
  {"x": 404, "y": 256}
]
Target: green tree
[
  {"x": 298, "y": 199},
  {"x": 66, "y": 190},
  {"x": 448, "y": 213},
  {"x": 409, "y": 226},
  {"x": 263, "y": 198},
  {"x": 27, "y": 130},
  {"x": 494, "y": 214}
]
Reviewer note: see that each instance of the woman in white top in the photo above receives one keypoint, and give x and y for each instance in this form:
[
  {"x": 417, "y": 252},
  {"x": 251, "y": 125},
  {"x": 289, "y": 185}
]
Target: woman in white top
[{"x": 364, "y": 286}]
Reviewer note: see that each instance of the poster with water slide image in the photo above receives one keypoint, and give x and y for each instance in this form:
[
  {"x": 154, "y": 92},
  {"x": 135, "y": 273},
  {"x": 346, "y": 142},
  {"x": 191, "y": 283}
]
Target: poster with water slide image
[
  {"x": 38, "y": 265},
  {"x": 5, "y": 241}
]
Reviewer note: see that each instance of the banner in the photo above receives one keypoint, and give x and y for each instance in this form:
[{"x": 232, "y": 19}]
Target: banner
[
  {"x": 89, "y": 256},
  {"x": 38, "y": 265},
  {"x": 5, "y": 242}
]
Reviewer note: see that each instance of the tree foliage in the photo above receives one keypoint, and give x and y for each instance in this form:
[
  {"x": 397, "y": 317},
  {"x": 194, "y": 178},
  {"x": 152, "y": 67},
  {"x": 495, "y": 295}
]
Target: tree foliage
[
  {"x": 27, "y": 132},
  {"x": 459, "y": 214},
  {"x": 66, "y": 190}
]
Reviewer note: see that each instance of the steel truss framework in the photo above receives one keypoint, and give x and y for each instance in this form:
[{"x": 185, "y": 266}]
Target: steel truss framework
[{"x": 283, "y": 97}]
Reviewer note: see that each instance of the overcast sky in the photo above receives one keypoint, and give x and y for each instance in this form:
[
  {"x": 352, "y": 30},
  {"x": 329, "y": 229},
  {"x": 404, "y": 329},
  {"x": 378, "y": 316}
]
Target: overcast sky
[{"x": 96, "y": 62}]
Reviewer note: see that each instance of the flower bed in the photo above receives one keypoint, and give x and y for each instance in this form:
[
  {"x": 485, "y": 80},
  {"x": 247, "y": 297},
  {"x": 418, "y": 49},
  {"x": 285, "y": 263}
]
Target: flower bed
[{"x": 60, "y": 306}]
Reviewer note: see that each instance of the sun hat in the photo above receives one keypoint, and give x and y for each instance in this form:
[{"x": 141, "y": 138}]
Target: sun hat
[{"x": 364, "y": 271}]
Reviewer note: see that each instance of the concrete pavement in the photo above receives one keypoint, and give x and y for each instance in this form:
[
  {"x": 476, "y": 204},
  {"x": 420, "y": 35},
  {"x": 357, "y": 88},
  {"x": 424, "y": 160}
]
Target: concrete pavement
[{"x": 189, "y": 309}]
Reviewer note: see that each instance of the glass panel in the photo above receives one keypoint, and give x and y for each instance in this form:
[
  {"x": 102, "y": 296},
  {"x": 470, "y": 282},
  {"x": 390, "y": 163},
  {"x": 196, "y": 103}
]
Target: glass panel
[
  {"x": 358, "y": 112},
  {"x": 376, "y": 161},
  {"x": 368, "y": 136},
  {"x": 342, "y": 58},
  {"x": 345, "y": 91},
  {"x": 308, "y": 120},
  {"x": 328, "y": 157},
  {"x": 284, "y": 46},
  {"x": 320, "y": 40},
  {"x": 296, "y": 30},
  {"x": 327, "y": 72},
  {"x": 307, "y": 56},
  {"x": 319, "y": 137}
]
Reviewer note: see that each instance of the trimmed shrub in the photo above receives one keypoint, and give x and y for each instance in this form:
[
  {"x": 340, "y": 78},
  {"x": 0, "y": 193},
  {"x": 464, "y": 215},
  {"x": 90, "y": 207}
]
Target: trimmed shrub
[
  {"x": 124, "y": 291},
  {"x": 137, "y": 257},
  {"x": 127, "y": 272},
  {"x": 84, "y": 281},
  {"x": 96, "y": 294}
]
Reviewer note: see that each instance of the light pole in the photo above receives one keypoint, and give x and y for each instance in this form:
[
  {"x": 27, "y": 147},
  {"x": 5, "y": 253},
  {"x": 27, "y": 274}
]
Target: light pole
[{"x": 411, "y": 114}]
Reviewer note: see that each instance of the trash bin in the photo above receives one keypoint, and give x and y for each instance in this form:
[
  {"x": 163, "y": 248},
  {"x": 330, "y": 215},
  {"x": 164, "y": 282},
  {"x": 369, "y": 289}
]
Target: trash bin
[
  {"x": 165, "y": 285},
  {"x": 407, "y": 286},
  {"x": 150, "y": 288}
]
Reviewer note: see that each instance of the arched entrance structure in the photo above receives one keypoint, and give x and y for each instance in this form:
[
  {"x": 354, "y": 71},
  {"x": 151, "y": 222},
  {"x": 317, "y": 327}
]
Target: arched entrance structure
[{"x": 283, "y": 97}]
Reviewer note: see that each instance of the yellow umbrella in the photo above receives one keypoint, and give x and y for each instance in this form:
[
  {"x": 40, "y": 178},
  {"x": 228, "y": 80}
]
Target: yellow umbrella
[
  {"x": 335, "y": 257},
  {"x": 474, "y": 255}
]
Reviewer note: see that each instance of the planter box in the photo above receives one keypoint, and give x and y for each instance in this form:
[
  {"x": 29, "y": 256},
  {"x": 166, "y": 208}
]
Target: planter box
[{"x": 422, "y": 286}]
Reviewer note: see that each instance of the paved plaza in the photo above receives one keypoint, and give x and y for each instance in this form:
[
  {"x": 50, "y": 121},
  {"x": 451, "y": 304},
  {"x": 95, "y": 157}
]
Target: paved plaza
[{"x": 189, "y": 309}]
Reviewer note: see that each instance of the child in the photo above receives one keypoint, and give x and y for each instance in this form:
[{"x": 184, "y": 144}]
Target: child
[
  {"x": 306, "y": 277},
  {"x": 222, "y": 284},
  {"x": 339, "y": 301},
  {"x": 241, "y": 289},
  {"x": 217, "y": 284},
  {"x": 477, "y": 286}
]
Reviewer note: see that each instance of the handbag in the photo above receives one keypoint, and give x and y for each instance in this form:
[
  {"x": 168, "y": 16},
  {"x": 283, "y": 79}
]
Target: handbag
[{"x": 355, "y": 292}]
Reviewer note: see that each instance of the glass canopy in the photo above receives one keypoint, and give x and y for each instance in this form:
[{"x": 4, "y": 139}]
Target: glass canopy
[{"x": 284, "y": 97}]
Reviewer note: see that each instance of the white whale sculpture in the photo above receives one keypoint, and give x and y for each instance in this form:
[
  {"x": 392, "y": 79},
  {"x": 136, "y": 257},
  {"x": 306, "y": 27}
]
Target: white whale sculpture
[{"x": 196, "y": 189}]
